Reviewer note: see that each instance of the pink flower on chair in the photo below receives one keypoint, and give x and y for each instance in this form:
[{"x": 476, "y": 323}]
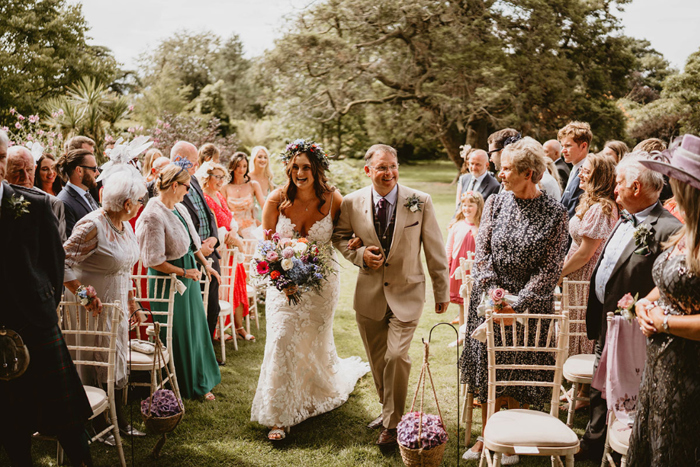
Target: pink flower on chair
[
  {"x": 626, "y": 301},
  {"x": 497, "y": 295}
]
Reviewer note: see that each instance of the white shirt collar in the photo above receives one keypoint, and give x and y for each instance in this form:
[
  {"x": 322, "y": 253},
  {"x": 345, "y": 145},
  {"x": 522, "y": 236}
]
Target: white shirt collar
[
  {"x": 643, "y": 214},
  {"x": 578, "y": 165},
  {"x": 77, "y": 188},
  {"x": 481, "y": 177},
  {"x": 390, "y": 197}
]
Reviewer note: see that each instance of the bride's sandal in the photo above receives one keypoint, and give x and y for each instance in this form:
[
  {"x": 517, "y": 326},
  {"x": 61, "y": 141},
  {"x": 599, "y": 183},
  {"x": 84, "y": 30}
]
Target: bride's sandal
[
  {"x": 277, "y": 433},
  {"x": 244, "y": 335}
]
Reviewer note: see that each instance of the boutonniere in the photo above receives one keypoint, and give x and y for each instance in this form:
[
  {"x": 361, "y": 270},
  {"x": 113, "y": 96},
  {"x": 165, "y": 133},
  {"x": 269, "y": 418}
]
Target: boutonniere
[
  {"x": 642, "y": 236},
  {"x": 413, "y": 203},
  {"x": 17, "y": 205}
]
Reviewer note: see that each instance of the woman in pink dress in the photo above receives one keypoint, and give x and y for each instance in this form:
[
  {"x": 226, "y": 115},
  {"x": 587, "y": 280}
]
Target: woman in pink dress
[
  {"x": 461, "y": 237},
  {"x": 596, "y": 216},
  {"x": 241, "y": 193},
  {"x": 212, "y": 178}
]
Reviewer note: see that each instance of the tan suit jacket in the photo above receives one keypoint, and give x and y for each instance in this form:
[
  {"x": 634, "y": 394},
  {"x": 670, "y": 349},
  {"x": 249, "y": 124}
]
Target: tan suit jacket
[{"x": 400, "y": 282}]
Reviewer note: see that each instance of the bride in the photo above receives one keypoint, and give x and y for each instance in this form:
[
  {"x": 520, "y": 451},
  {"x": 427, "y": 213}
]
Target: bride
[{"x": 301, "y": 375}]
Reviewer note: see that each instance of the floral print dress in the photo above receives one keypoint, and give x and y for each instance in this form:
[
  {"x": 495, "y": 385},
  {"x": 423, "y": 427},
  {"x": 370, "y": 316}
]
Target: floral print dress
[{"x": 520, "y": 247}]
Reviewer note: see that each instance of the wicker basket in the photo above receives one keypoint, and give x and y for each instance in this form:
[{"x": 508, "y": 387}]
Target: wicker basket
[
  {"x": 422, "y": 457},
  {"x": 160, "y": 425}
]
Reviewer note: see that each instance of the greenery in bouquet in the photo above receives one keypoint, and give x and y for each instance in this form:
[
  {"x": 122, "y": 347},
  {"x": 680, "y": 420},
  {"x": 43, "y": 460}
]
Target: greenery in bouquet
[
  {"x": 163, "y": 404},
  {"x": 432, "y": 432},
  {"x": 27, "y": 131},
  {"x": 293, "y": 265}
]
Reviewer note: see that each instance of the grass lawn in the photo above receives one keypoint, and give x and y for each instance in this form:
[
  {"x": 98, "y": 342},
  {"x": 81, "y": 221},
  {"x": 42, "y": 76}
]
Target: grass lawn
[{"x": 221, "y": 434}]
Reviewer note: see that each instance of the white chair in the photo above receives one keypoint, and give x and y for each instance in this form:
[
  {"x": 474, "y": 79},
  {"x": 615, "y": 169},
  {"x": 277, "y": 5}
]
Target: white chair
[
  {"x": 163, "y": 290},
  {"x": 618, "y": 435},
  {"x": 228, "y": 276},
  {"x": 466, "y": 264},
  {"x": 523, "y": 431},
  {"x": 578, "y": 369},
  {"x": 92, "y": 339},
  {"x": 249, "y": 247}
]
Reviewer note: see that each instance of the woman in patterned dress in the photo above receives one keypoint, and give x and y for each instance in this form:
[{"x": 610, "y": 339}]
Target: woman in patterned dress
[
  {"x": 666, "y": 427},
  {"x": 520, "y": 247}
]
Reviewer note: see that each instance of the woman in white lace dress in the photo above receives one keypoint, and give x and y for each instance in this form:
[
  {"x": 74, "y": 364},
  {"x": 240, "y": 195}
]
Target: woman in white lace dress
[{"x": 301, "y": 375}]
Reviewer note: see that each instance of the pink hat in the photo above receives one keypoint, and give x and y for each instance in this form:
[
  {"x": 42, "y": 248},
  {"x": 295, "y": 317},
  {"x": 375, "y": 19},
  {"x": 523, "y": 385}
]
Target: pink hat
[{"x": 680, "y": 161}]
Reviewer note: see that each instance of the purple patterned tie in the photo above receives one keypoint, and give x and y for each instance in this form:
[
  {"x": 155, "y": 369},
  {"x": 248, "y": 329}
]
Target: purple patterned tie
[{"x": 381, "y": 215}]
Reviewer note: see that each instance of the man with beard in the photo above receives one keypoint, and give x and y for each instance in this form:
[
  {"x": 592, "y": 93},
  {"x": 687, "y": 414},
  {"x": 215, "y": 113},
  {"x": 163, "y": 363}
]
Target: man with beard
[{"x": 79, "y": 168}]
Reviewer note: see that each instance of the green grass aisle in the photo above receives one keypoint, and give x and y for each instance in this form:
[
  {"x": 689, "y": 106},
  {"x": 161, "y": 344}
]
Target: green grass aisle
[{"x": 220, "y": 433}]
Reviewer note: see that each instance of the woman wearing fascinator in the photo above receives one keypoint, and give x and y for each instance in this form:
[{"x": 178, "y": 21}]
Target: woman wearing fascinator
[
  {"x": 666, "y": 427},
  {"x": 100, "y": 255},
  {"x": 301, "y": 375}
]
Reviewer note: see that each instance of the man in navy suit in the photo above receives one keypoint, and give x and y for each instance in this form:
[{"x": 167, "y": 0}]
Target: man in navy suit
[
  {"x": 478, "y": 179},
  {"x": 79, "y": 167},
  {"x": 186, "y": 155},
  {"x": 575, "y": 139},
  {"x": 49, "y": 396}
]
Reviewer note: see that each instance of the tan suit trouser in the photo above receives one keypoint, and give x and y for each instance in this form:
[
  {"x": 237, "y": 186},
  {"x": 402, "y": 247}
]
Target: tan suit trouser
[{"x": 387, "y": 342}]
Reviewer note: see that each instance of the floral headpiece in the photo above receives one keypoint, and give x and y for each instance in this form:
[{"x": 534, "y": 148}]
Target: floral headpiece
[
  {"x": 307, "y": 146},
  {"x": 512, "y": 139},
  {"x": 123, "y": 153},
  {"x": 182, "y": 162}
]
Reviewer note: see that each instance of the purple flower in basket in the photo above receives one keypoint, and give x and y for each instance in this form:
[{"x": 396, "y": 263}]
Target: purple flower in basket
[
  {"x": 432, "y": 434},
  {"x": 164, "y": 404}
]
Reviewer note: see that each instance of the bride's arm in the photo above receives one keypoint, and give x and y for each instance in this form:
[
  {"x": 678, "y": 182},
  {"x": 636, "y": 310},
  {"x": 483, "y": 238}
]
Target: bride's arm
[{"x": 271, "y": 213}]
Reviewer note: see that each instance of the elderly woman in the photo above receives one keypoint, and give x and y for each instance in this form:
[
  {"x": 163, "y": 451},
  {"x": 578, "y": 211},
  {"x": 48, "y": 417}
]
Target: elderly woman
[
  {"x": 520, "y": 247},
  {"x": 169, "y": 244},
  {"x": 212, "y": 177},
  {"x": 667, "y": 421},
  {"x": 101, "y": 252}
]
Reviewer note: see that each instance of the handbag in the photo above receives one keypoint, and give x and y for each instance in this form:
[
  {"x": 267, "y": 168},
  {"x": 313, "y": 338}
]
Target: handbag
[{"x": 14, "y": 355}]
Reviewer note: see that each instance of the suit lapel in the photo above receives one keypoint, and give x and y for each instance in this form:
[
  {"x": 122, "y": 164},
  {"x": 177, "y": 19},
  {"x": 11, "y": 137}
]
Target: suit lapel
[
  {"x": 76, "y": 196},
  {"x": 651, "y": 220},
  {"x": 400, "y": 222},
  {"x": 368, "y": 217},
  {"x": 6, "y": 216}
]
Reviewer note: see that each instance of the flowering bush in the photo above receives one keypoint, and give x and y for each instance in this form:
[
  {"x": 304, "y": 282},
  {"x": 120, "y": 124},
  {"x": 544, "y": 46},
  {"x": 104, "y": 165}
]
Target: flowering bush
[
  {"x": 292, "y": 265},
  {"x": 28, "y": 131},
  {"x": 164, "y": 404},
  {"x": 432, "y": 433}
]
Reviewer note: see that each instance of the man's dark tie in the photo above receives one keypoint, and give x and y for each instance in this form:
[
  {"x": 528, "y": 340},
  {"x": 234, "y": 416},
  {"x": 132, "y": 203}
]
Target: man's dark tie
[
  {"x": 471, "y": 184},
  {"x": 381, "y": 214},
  {"x": 92, "y": 202},
  {"x": 627, "y": 217}
]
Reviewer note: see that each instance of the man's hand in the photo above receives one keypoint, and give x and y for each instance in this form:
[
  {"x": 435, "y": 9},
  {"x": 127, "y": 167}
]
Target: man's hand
[
  {"x": 440, "y": 308},
  {"x": 208, "y": 246},
  {"x": 373, "y": 257}
]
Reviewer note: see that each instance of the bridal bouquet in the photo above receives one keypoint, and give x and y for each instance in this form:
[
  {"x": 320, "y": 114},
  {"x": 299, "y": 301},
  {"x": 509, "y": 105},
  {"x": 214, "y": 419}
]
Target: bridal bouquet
[{"x": 293, "y": 265}]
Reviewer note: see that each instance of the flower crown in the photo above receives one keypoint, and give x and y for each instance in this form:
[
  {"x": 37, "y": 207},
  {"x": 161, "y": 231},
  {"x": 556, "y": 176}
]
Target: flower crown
[{"x": 307, "y": 146}]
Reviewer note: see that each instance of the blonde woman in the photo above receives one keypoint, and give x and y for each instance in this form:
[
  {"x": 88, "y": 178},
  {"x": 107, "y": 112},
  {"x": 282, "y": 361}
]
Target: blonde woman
[
  {"x": 260, "y": 170},
  {"x": 147, "y": 169}
]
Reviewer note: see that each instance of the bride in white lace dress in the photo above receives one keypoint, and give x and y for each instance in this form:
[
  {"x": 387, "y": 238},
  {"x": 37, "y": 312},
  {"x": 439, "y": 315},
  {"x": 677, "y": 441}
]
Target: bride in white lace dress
[{"x": 301, "y": 375}]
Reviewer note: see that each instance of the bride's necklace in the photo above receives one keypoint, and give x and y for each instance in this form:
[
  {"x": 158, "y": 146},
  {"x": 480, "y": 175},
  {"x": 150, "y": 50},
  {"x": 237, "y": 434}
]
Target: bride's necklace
[{"x": 114, "y": 227}]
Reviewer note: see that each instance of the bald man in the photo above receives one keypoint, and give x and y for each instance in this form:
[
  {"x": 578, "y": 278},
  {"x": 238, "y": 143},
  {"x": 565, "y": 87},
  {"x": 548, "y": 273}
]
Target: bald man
[
  {"x": 186, "y": 155},
  {"x": 20, "y": 172},
  {"x": 478, "y": 179},
  {"x": 552, "y": 149}
]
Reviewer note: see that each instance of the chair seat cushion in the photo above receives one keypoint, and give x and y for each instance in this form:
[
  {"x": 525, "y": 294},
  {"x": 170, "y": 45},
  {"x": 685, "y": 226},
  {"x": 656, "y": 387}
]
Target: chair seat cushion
[
  {"x": 144, "y": 362},
  {"x": 98, "y": 399},
  {"x": 519, "y": 427},
  {"x": 619, "y": 437},
  {"x": 579, "y": 366},
  {"x": 250, "y": 289},
  {"x": 225, "y": 307}
]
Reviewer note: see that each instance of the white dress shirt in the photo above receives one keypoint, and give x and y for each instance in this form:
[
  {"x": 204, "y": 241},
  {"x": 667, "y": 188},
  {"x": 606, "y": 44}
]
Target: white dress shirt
[{"x": 622, "y": 236}]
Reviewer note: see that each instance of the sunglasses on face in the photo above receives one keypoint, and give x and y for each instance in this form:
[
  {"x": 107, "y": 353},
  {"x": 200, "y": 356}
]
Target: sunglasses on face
[
  {"x": 88, "y": 167},
  {"x": 187, "y": 187}
]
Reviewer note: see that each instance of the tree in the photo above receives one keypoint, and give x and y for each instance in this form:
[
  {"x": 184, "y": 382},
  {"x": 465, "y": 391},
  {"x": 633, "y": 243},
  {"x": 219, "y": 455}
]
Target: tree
[
  {"x": 43, "y": 50},
  {"x": 455, "y": 70}
]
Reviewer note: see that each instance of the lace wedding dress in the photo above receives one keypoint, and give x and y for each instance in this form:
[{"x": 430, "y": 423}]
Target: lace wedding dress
[{"x": 301, "y": 375}]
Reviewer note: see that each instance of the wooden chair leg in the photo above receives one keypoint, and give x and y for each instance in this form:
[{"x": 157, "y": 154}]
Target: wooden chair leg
[
  {"x": 497, "y": 459},
  {"x": 115, "y": 431},
  {"x": 257, "y": 322},
  {"x": 222, "y": 338},
  {"x": 572, "y": 406},
  {"x": 623, "y": 463},
  {"x": 468, "y": 417},
  {"x": 569, "y": 460}
]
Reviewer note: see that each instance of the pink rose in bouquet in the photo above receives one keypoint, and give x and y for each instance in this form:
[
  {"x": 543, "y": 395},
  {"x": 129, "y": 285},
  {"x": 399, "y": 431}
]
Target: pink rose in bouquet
[
  {"x": 497, "y": 295},
  {"x": 272, "y": 256},
  {"x": 288, "y": 253},
  {"x": 625, "y": 307},
  {"x": 626, "y": 301}
]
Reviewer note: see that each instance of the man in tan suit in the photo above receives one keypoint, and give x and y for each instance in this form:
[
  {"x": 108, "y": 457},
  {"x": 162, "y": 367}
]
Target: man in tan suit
[{"x": 392, "y": 221}]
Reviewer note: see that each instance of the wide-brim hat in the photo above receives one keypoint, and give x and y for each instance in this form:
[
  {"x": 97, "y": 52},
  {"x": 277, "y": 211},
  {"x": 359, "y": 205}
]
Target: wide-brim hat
[{"x": 681, "y": 161}]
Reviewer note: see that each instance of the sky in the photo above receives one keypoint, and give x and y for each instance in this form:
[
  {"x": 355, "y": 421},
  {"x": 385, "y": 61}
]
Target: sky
[{"x": 135, "y": 26}]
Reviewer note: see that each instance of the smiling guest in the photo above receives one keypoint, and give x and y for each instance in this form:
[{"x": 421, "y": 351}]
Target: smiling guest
[
  {"x": 520, "y": 247},
  {"x": 478, "y": 179},
  {"x": 45, "y": 177},
  {"x": 261, "y": 172},
  {"x": 79, "y": 167},
  {"x": 241, "y": 193}
]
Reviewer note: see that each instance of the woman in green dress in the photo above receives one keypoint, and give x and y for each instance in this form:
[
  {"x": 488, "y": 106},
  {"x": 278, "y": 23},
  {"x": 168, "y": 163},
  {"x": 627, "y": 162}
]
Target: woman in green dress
[{"x": 170, "y": 244}]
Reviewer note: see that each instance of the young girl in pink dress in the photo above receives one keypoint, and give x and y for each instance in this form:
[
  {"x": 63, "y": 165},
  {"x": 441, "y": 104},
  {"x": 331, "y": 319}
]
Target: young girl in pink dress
[{"x": 461, "y": 239}]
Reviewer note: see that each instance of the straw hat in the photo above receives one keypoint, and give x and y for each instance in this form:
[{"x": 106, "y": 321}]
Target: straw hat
[{"x": 680, "y": 161}]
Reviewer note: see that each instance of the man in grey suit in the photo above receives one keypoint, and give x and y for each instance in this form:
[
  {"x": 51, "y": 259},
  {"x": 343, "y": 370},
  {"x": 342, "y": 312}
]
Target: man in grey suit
[
  {"x": 79, "y": 167},
  {"x": 624, "y": 267},
  {"x": 478, "y": 179}
]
